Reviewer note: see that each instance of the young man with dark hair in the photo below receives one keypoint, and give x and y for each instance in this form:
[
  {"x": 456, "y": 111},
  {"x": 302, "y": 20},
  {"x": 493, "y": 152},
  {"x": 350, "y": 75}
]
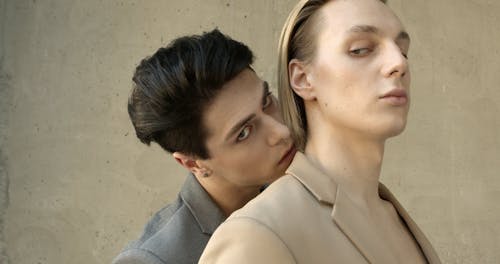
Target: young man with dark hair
[{"x": 200, "y": 100}]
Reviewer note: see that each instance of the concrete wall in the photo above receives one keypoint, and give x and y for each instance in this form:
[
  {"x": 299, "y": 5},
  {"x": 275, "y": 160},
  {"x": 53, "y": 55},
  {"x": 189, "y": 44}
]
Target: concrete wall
[{"x": 75, "y": 184}]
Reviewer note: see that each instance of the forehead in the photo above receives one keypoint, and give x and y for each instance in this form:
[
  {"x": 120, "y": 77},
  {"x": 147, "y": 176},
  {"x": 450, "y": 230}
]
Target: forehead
[
  {"x": 238, "y": 98},
  {"x": 340, "y": 16}
]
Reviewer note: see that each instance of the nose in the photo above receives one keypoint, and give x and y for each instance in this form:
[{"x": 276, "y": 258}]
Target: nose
[
  {"x": 395, "y": 64},
  {"x": 278, "y": 132}
]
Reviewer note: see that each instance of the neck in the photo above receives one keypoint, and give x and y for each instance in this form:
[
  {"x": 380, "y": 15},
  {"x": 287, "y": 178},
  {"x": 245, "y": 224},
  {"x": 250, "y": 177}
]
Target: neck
[
  {"x": 228, "y": 197},
  {"x": 352, "y": 159}
]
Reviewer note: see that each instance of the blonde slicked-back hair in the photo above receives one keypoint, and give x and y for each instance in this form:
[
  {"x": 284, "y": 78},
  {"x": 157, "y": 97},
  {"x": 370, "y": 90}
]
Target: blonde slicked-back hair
[{"x": 297, "y": 41}]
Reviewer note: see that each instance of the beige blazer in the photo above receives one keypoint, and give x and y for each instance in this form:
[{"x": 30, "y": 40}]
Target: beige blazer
[{"x": 305, "y": 217}]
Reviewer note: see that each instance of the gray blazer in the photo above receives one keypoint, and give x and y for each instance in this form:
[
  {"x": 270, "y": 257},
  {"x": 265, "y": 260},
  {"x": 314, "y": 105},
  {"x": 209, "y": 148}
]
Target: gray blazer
[{"x": 179, "y": 232}]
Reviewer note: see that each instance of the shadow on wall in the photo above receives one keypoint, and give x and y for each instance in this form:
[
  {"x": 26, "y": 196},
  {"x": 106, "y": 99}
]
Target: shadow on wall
[
  {"x": 4, "y": 179},
  {"x": 4, "y": 103},
  {"x": 4, "y": 185}
]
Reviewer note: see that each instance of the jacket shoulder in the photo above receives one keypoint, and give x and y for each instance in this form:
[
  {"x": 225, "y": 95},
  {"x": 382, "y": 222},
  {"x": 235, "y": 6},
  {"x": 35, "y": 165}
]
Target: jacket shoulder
[
  {"x": 137, "y": 256},
  {"x": 254, "y": 243},
  {"x": 277, "y": 202},
  {"x": 171, "y": 236}
]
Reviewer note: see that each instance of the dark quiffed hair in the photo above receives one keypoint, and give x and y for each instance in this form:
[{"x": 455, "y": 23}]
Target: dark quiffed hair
[{"x": 173, "y": 87}]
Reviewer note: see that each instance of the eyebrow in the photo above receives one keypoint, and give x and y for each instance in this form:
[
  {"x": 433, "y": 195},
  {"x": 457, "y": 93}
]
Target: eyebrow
[
  {"x": 237, "y": 126},
  {"x": 363, "y": 29},
  {"x": 403, "y": 35}
]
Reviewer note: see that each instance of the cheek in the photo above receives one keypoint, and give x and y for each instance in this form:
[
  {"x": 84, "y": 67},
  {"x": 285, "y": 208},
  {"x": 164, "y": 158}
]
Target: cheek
[
  {"x": 242, "y": 160},
  {"x": 338, "y": 89},
  {"x": 256, "y": 156},
  {"x": 407, "y": 79},
  {"x": 339, "y": 75}
]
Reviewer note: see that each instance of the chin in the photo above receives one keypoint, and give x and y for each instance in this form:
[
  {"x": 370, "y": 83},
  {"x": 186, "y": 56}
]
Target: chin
[
  {"x": 396, "y": 129},
  {"x": 393, "y": 127},
  {"x": 395, "y": 133}
]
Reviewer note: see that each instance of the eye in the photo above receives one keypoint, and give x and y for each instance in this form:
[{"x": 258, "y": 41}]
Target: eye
[
  {"x": 268, "y": 100},
  {"x": 404, "y": 47},
  {"x": 245, "y": 132},
  {"x": 360, "y": 52}
]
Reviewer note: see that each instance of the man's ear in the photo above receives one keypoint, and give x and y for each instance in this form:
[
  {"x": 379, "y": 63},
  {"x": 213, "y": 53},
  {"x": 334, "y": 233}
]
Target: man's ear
[
  {"x": 300, "y": 80},
  {"x": 192, "y": 164}
]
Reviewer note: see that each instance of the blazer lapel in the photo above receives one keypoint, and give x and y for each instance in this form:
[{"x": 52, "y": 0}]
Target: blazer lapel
[
  {"x": 318, "y": 183},
  {"x": 352, "y": 222},
  {"x": 344, "y": 214},
  {"x": 423, "y": 242}
]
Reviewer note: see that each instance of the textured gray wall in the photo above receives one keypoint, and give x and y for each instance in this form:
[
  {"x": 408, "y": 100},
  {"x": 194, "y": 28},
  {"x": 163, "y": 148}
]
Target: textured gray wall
[
  {"x": 75, "y": 184},
  {"x": 4, "y": 102}
]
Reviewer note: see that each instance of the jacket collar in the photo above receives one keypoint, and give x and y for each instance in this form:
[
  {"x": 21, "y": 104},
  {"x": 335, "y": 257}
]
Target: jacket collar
[
  {"x": 348, "y": 218},
  {"x": 206, "y": 213},
  {"x": 419, "y": 236}
]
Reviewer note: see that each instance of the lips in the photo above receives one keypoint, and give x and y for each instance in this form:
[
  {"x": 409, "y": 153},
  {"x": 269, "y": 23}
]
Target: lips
[
  {"x": 396, "y": 97},
  {"x": 288, "y": 155},
  {"x": 395, "y": 93}
]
